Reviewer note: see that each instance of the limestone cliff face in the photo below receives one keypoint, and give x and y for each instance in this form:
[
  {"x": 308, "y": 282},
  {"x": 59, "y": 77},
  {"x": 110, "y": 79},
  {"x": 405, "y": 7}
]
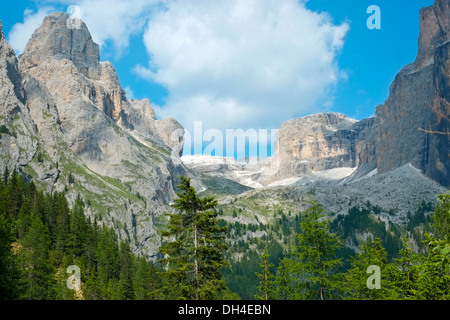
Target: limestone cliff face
[
  {"x": 313, "y": 143},
  {"x": 143, "y": 120},
  {"x": 365, "y": 144},
  {"x": 17, "y": 143},
  {"x": 413, "y": 126},
  {"x": 172, "y": 134},
  {"x": 54, "y": 39},
  {"x": 414, "y": 123},
  {"x": 434, "y": 30},
  {"x": 68, "y": 61},
  {"x": 68, "y": 115}
]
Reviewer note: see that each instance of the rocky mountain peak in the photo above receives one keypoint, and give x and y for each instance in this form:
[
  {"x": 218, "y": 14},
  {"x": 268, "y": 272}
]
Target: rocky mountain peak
[
  {"x": 312, "y": 143},
  {"x": 58, "y": 39},
  {"x": 434, "y": 29},
  {"x": 64, "y": 113}
]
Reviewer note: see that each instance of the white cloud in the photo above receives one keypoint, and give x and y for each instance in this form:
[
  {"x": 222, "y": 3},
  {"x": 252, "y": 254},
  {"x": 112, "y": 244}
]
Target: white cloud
[
  {"x": 230, "y": 63},
  {"x": 115, "y": 20},
  {"x": 129, "y": 92},
  {"x": 107, "y": 20},
  {"x": 240, "y": 63},
  {"x": 21, "y": 32}
]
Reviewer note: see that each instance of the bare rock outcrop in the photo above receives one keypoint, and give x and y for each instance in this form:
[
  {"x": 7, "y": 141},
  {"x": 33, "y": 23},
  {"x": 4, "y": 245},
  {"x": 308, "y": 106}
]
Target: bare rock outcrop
[
  {"x": 412, "y": 127},
  {"x": 54, "y": 39},
  {"x": 168, "y": 131},
  {"x": 172, "y": 134},
  {"x": 18, "y": 144},
  {"x": 65, "y": 114},
  {"x": 313, "y": 143},
  {"x": 414, "y": 123}
]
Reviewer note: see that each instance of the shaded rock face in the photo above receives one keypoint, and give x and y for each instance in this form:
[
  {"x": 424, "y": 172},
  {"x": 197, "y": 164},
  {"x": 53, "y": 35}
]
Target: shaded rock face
[
  {"x": 365, "y": 144},
  {"x": 434, "y": 29},
  {"x": 17, "y": 142},
  {"x": 413, "y": 126},
  {"x": 414, "y": 123}
]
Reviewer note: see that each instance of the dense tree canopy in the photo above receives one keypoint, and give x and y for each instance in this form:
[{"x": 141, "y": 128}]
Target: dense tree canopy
[
  {"x": 194, "y": 247},
  {"x": 41, "y": 236}
]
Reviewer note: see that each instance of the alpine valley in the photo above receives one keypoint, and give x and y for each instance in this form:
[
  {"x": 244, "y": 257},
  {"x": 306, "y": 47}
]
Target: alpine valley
[{"x": 67, "y": 125}]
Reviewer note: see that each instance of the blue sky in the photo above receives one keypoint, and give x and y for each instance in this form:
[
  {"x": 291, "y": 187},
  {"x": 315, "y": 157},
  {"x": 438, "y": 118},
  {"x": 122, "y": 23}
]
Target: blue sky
[
  {"x": 373, "y": 57},
  {"x": 243, "y": 63}
]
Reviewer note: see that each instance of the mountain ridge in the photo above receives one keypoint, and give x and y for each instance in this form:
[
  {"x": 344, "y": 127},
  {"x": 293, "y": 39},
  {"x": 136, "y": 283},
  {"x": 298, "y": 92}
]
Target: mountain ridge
[
  {"x": 411, "y": 127},
  {"x": 84, "y": 137},
  {"x": 67, "y": 124}
]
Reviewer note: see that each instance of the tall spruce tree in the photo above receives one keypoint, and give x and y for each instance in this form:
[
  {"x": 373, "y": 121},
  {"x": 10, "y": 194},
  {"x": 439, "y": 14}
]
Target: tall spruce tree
[
  {"x": 37, "y": 279},
  {"x": 107, "y": 258},
  {"x": 405, "y": 273},
  {"x": 62, "y": 222},
  {"x": 78, "y": 229},
  {"x": 441, "y": 217},
  {"x": 266, "y": 279},
  {"x": 193, "y": 252},
  {"x": 145, "y": 281},
  {"x": 126, "y": 270},
  {"x": 371, "y": 253},
  {"x": 8, "y": 271},
  {"x": 309, "y": 270},
  {"x": 434, "y": 279}
]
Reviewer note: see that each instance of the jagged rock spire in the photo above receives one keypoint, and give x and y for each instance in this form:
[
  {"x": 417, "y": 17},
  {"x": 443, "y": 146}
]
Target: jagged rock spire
[{"x": 57, "y": 39}]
